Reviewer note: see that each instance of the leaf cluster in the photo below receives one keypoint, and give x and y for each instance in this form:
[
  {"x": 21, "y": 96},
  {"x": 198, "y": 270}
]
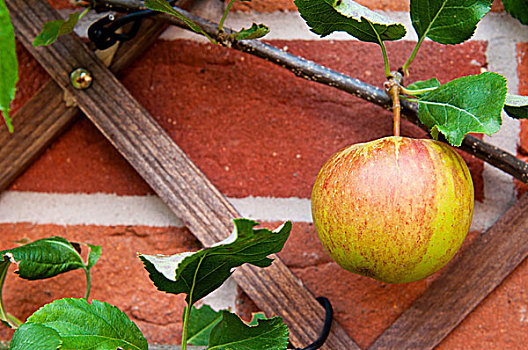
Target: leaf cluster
[
  {"x": 41, "y": 259},
  {"x": 471, "y": 104},
  {"x": 69, "y": 323},
  {"x": 197, "y": 274}
]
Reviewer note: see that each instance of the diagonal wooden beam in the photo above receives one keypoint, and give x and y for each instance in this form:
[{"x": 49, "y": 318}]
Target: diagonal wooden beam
[
  {"x": 463, "y": 285},
  {"x": 46, "y": 115},
  {"x": 155, "y": 156}
]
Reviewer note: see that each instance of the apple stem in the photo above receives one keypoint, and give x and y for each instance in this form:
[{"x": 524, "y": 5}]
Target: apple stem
[
  {"x": 393, "y": 89},
  {"x": 394, "y": 93}
]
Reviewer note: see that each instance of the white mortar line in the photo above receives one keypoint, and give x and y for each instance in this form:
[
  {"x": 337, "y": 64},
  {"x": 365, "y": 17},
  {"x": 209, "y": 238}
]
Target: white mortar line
[
  {"x": 85, "y": 209},
  {"x": 110, "y": 209}
]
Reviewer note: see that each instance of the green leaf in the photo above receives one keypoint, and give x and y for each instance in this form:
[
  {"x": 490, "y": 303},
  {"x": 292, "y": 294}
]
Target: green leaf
[
  {"x": 517, "y": 9},
  {"x": 34, "y": 336},
  {"x": 232, "y": 333},
  {"x": 202, "y": 272},
  {"x": 256, "y": 31},
  {"x": 53, "y": 29},
  {"x": 327, "y": 16},
  {"x": 8, "y": 64},
  {"x": 201, "y": 322},
  {"x": 256, "y": 317},
  {"x": 89, "y": 326},
  {"x": 424, "y": 84},
  {"x": 163, "y": 6},
  {"x": 4, "y": 266},
  {"x": 419, "y": 88},
  {"x": 447, "y": 21},
  {"x": 516, "y": 106},
  {"x": 45, "y": 258},
  {"x": 464, "y": 105},
  {"x": 93, "y": 256}
]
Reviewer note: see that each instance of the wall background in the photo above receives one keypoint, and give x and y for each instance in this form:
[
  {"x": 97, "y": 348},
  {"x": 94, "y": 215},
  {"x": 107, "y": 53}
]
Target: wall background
[{"x": 260, "y": 134}]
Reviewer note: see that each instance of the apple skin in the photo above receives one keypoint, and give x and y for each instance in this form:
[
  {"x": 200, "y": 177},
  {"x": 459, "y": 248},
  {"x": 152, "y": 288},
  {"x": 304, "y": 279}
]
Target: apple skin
[{"x": 395, "y": 209}]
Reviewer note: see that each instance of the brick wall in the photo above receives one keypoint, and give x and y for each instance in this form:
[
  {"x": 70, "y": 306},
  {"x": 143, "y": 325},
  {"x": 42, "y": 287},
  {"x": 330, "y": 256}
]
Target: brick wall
[{"x": 260, "y": 135}]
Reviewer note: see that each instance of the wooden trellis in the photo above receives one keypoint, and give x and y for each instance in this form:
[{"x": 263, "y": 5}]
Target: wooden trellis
[{"x": 205, "y": 211}]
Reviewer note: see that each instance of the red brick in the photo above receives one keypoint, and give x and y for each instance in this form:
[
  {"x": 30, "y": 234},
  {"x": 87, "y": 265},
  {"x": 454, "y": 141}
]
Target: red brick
[
  {"x": 245, "y": 307},
  {"x": 288, "y": 5},
  {"x": 31, "y": 76},
  {"x": 522, "y": 71},
  {"x": 500, "y": 321},
  {"x": 251, "y": 126},
  {"x": 497, "y": 6},
  {"x": 63, "y": 4},
  {"x": 523, "y": 138},
  {"x": 522, "y": 66},
  {"x": 519, "y": 186},
  {"x": 118, "y": 278},
  {"x": 82, "y": 160},
  {"x": 303, "y": 247}
]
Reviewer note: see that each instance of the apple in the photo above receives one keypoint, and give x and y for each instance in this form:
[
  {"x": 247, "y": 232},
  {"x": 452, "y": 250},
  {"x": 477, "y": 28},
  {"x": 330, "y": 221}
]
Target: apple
[{"x": 395, "y": 209}]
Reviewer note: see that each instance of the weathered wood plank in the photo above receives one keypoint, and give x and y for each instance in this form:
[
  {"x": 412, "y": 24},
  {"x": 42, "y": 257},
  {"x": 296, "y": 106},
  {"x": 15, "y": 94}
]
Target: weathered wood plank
[
  {"x": 45, "y": 116},
  {"x": 463, "y": 285},
  {"x": 169, "y": 172}
]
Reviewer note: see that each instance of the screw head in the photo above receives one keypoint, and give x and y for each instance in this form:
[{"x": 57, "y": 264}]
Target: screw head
[{"x": 81, "y": 79}]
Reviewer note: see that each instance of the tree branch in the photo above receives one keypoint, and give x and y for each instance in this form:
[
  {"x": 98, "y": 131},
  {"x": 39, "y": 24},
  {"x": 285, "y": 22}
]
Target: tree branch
[{"x": 314, "y": 72}]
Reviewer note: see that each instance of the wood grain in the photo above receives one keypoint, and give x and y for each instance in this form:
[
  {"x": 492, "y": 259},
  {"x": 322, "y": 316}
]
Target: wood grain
[
  {"x": 463, "y": 285},
  {"x": 45, "y": 116},
  {"x": 155, "y": 156}
]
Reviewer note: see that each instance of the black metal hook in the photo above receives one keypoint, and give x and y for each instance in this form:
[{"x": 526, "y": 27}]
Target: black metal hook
[
  {"x": 329, "y": 315},
  {"x": 103, "y": 32}
]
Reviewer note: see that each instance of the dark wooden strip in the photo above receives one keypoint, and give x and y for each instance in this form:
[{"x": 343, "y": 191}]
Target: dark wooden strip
[
  {"x": 45, "y": 116},
  {"x": 169, "y": 172},
  {"x": 463, "y": 285}
]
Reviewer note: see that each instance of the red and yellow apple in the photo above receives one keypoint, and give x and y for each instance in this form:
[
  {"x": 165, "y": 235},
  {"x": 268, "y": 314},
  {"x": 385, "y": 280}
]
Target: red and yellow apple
[{"x": 395, "y": 209}]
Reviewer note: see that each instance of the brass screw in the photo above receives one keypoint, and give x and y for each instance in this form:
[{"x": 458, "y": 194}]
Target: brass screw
[{"x": 81, "y": 79}]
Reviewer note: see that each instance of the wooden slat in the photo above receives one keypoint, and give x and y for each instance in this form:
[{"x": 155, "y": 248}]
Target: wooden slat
[
  {"x": 148, "y": 148},
  {"x": 463, "y": 285},
  {"x": 45, "y": 115}
]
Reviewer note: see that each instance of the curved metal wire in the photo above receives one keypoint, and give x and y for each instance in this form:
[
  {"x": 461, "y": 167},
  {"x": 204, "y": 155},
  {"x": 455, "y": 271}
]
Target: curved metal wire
[
  {"x": 329, "y": 315},
  {"x": 103, "y": 32}
]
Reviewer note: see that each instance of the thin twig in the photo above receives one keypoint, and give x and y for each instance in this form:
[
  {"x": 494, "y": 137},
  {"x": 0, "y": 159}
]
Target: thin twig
[{"x": 314, "y": 72}]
